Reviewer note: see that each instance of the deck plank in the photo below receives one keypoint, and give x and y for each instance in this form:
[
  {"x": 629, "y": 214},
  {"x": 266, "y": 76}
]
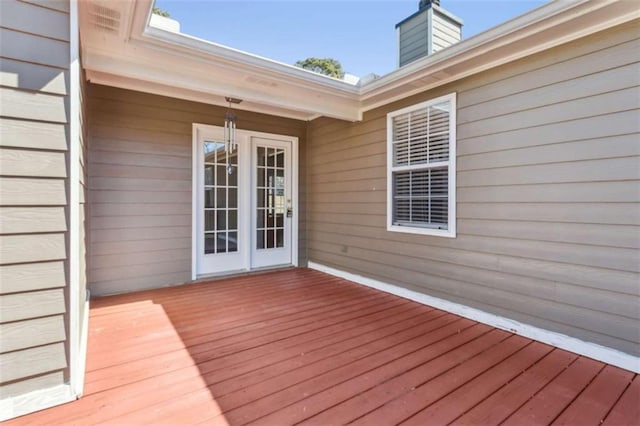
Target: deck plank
[
  {"x": 595, "y": 401},
  {"x": 400, "y": 409},
  {"x": 627, "y": 409},
  {"x": 467, "y": 396},
  {"x": 261, "y": 369},
  {"x": 299, "y": 346},
  {"x": 547, "y": 404},
  {"x": 381, "y": 392},
  {"x": 498, "y": 406}
]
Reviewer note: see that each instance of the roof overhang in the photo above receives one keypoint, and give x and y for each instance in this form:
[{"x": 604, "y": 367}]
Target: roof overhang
[{"x": 120, "y": 48}]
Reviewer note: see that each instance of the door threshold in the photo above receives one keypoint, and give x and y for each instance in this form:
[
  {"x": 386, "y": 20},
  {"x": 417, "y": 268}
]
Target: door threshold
[{"x": 240, "y": 273}]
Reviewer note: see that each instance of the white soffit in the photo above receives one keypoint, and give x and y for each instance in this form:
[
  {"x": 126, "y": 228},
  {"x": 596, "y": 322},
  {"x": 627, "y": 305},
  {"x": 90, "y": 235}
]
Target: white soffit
[{"x": 121, "y": 49}]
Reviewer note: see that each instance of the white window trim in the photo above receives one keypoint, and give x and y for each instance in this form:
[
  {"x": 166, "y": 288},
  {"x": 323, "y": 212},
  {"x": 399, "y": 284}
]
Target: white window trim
[{"x": 450, "y": 232}]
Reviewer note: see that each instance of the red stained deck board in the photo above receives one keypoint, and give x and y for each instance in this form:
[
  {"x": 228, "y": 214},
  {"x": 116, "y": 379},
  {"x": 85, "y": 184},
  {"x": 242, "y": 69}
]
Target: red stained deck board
[
  {"x": 270, "y": 372},
  {"x": 462, "y": 399},
  {"x": 627, "y": 409},
  {"x": 229, "y": 322},
  {"x": 502, "y": 403},
  {"x": 201, "y": 346},
  {"x": 298, "y": 345},
  {"x": 547, "y": 404},
  {"x": 348, "y": 338},
  {"x": 256, "y": 401},
  {"x": 384, "y": 391},
  {"x": 270, "y": 384},
  {"x": 415, "y": 400},
  {"x": 145, "y": 367},
  {"x": 322, "y": 350},
  {"x": 306, "y": 408},
  {"x": 595, "y": 401}
]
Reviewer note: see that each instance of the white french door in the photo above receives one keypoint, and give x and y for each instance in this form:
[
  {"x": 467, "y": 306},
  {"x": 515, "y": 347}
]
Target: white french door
[
  {"x": 244, "y": 202},
  {"x": 272, "y": 209}
]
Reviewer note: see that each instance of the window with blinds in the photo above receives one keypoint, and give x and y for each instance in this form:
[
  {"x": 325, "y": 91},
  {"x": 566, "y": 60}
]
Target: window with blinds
[{"x": 421, "y": 168}]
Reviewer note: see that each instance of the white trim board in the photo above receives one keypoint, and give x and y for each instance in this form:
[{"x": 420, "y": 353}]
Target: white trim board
[
  {"x": 76, "y": 376},
  {"x": 35, "y": 401},
  {"x": 84, "y": 337},
  {"x": 562, "y": 341}
]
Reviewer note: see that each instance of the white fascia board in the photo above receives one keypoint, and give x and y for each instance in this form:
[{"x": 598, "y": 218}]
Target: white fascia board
[
  {"x": 140, "y": 62},
  {"x": 142, "y": 29},
  {"x": 239, "y": 58}
]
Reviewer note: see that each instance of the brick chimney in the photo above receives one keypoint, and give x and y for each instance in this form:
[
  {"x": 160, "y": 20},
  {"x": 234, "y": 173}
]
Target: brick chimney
[{"x": 427, "y": 31}]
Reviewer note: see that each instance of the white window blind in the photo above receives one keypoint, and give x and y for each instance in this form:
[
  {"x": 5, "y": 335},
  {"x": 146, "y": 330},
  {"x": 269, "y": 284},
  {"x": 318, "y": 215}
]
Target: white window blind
[{"x": 421, "y": 168}]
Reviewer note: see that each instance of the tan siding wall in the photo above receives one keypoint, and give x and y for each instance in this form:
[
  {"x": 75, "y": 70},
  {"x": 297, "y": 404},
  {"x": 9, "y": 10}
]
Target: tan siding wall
[
  {"x": 548, "y": 191},
  {"x": 34, "y": 43},
  {"x": 140, "y": 185}
]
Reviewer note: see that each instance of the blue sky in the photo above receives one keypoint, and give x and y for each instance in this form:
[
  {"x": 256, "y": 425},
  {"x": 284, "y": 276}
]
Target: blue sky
[{"x": 360, "y": 34}]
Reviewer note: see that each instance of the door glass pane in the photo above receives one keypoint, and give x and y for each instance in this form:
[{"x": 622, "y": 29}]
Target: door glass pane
[
  {"x": 270, "y": 198},
  {"x": 233, "y": 220},
  {"x": 220, "y": 198},
  {"x": 209, "y": 220},
  {"x": 221, "y": 220},
  {"x": 260, "y": 239}
]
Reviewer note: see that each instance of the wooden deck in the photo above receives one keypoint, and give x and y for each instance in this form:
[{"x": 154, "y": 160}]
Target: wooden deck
[{"x": 299, "y": 346}]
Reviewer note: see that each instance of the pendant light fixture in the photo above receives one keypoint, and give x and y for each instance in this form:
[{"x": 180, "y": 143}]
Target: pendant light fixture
[{"x": 230, "y": 143}]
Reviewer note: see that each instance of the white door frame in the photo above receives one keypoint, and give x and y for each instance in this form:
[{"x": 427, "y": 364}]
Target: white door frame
[{"x": 195, "y": 168}]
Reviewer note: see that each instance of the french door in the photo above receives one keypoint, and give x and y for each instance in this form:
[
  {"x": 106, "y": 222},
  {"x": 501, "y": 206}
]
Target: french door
[{"x": 244, "y": 202}]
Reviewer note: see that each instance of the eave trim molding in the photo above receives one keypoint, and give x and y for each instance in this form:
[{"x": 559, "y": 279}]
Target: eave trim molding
[{"x": 168, "y": 60}]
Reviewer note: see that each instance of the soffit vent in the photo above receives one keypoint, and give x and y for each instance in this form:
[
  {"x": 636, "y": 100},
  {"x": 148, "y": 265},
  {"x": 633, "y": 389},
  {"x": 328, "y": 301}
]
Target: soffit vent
[{"x": 105, "y": 18}]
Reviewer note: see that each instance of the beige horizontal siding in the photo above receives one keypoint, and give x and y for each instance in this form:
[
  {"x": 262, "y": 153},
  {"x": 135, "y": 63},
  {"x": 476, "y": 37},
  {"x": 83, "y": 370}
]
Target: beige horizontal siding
[
  {"x": 32, "y": 248},
  {"x": 31, "y": 333},
  {"x": 38, "y": 50},
  {"x": 139, "y": 186},
  {"x": 138, "y": 246},
  {"x": 32, "y": 134},
  {"x": 16, "y": 74},
  {"x": 34, "y": 75},
  {"x": 32, "y": 192},
  {"x": 40, "y": 21},
  {"x": 29, "y": 305},
  {"x": 18, "y": 162},
  {"x": 31, "y": 362},
  {"x": 58, "y": 5},
  {"x": 18, "y": 220},
  {"x": 31, "y": 276},
  {"x": 32, "y": 106},
  {"x": 548, "y": 194},
  {"x": 44, "y": 381}
]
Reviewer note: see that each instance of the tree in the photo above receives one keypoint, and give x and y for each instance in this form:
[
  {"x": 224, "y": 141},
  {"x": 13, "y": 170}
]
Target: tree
[
  {"x": 161, "y": 12},
  {"x": 326, "y": 66}
]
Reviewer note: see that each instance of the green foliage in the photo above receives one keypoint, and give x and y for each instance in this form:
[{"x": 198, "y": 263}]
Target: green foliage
[
  {"x": 326, "y": 66},
  {"x": 161, "y": 12}
]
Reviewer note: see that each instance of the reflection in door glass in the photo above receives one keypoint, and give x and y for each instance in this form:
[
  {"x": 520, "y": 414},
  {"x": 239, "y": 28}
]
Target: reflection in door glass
[
  {"x": 270, "y": 198},
  {"x": 220, "y": 199}
]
